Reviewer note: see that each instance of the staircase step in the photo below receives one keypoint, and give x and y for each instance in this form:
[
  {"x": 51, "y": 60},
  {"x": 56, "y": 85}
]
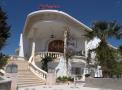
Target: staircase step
[
  {"x": 25, "y": 76},
  {"x": 27, "y": 85},
  {"x": 29, "y": 77},
  {"x": 28, "y": 82}
]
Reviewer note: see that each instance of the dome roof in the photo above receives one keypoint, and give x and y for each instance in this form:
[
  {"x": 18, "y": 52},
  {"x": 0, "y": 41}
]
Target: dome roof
[{"x": 46, "y": 15}]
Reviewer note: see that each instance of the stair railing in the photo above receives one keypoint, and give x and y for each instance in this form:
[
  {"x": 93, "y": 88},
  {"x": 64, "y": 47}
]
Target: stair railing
[{"x": 36, "y": 70}]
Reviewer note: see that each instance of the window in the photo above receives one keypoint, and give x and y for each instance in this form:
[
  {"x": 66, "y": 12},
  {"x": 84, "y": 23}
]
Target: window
[
  {"x": 11, "y": 68},
  {"x": 76, "y": 70}
]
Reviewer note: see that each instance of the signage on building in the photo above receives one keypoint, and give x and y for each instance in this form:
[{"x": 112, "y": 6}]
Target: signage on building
[{"x": 47, "y": 6}]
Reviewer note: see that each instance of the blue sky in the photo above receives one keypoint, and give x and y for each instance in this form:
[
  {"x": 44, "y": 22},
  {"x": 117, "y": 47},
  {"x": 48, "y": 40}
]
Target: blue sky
[{"x": 85, "y": 11}]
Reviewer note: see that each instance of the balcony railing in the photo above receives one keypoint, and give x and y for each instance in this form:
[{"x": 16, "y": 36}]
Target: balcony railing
[{"x": 52, "y": 54}]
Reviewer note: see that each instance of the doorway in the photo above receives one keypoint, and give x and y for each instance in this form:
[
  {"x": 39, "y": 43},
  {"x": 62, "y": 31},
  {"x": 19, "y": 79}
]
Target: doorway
[{"x": 56, "y": 46}]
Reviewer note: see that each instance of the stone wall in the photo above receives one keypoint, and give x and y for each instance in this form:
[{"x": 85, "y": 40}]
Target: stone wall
[
  {"x": 5, "y": 84},
  {"x": 104, "y": 83}
]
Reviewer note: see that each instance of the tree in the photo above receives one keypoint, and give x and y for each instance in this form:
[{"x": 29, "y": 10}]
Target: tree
[
  {"x": 45, "y": 62},
  {"x": 3, "y": 60},
  {"x": 120, "y": 50},
  {"x": 105, "y": 54},
  {"x": 4, "y": 29},
  {"x": 106, "y": 57},
  {"x": 4, "y": 35},
  {"x": 69, "y": 50},
  {"x": 104, "y": 30}
]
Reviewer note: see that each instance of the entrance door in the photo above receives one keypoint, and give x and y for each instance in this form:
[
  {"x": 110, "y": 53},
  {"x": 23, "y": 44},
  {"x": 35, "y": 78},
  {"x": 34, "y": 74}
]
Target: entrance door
[{"x": 56, "y": 46}]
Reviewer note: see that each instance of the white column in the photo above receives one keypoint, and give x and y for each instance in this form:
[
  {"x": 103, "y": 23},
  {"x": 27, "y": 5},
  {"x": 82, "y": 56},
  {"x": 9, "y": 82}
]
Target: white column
[
  {"x": 33, "y": 41},
  {"x": 21, "y": 48},
  {"x": 65, "y": 43},
  {"x": 83, "y": 76},
  {"x": 33, "y": 48},
  {"x": 86, "y": 48}
]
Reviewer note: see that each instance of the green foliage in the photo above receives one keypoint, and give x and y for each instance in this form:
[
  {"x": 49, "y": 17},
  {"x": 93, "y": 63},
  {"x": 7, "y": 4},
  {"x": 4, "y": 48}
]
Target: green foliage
[
  {"x": 64, "y": 79},
  {"x": 4, "y": 35},
  {"x": 87, "y": 75},
  {"x": 104, "y": 30},
  {"x": 118, "y": 69},
  {"x": 45, "y": 61},
  {"x": 105, "y": 54},
  {"x": 106, "y": 57},
  {"x": 120, "y": 50},
  {"x": 3, "y": 60},
  {"x": 4, "y": 29}
]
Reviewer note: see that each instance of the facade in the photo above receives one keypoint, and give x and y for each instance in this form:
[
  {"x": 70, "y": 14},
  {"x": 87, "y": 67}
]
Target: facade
[{"x": 50, "y": 33}]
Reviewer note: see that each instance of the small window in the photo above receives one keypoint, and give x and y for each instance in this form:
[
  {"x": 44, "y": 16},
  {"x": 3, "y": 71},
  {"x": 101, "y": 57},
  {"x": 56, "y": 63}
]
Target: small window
[
  {"x": 11, "y": 68},
  {"x": 76, "y": 70}
]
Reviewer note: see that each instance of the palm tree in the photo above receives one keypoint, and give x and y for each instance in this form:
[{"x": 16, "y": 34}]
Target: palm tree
[
  {"x": 105, "y": 54},
  {"x": 104, "y": 30}
]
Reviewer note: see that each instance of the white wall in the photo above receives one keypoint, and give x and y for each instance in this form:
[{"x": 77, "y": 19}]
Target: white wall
[
  {"x": 80, "y": 44},
  {"x": 21, "y": 51},
  {"x": 42, "y": 42},
  {"x": 27, "y": 47},
  {"x": 92, "y": 44}
]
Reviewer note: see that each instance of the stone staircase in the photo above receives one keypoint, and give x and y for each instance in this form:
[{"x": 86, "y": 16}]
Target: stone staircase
[{"x": 25, "y": 77}]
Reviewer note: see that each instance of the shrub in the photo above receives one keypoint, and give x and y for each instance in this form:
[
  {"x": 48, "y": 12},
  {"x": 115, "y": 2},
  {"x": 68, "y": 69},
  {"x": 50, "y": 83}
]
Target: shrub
[
  {"x": 64, "y": 79},
  {"x": 3, "y": 60},
  {"x": 45, "y": 62},
  {"x": 87, "y": 75}
]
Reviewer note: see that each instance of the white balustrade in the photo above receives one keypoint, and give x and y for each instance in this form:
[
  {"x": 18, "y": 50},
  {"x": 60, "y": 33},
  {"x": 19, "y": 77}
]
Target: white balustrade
[
  {"x": 52, "y": 54},
  {"x": 36, "y": 70}
]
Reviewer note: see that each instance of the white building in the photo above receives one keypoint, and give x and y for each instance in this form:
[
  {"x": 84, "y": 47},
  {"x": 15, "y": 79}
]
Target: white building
[{"x": 46, "y": 32}]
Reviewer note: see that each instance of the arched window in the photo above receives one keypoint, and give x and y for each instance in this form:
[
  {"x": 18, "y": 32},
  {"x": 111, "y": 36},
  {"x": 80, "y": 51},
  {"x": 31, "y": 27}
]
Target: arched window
[
  {"x": 56, "y": 46},
  {"x": 12, "y": 68}
]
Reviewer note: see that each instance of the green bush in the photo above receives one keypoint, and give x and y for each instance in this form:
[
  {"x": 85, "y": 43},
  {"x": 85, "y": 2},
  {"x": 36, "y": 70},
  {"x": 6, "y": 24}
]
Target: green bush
[
  {"x": 70, "y": 79},
  {"x": 64, "y": 79},
  {"x": 87, "y": 75},
  {"x": 45, "y": 62},
  {"x": 3, "y": 60}
]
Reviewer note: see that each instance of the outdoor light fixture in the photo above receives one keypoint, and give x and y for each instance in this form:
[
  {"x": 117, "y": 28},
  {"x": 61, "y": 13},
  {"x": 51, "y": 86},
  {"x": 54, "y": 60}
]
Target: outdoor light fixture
[{"x": 51, "y": 36}]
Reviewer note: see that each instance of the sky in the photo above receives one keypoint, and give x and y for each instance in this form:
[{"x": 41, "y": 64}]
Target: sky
[{"x": 86, "y": 11}]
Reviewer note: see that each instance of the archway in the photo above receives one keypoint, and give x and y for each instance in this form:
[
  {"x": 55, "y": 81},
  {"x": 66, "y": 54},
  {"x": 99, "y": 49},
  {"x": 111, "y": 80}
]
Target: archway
[{"x": 56, "y": 46}]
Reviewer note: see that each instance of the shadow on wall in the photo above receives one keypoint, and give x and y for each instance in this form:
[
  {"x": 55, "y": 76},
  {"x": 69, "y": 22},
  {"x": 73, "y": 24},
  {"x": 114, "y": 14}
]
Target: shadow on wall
[
  {"x": 5, "y": 83},
  {"x": 104, "y": 83}
]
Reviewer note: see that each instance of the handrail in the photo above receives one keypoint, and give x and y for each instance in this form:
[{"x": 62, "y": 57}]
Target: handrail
[
  {"x": 36, "y": 70},
  {"x": 31, "y": 59}
]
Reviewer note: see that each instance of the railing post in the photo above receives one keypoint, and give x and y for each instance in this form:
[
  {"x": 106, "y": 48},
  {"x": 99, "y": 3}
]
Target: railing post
[
  {"x": 43, "y": 54},
  {"x": 52, "y": 54}
]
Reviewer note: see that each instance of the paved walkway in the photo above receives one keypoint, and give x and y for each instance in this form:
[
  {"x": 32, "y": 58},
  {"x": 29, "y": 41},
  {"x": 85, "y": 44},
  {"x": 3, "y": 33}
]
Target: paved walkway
[{"x": 61, "y": 87}]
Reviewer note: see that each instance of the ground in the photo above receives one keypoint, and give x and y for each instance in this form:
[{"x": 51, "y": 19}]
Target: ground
[{"x": 62, "y": 87}]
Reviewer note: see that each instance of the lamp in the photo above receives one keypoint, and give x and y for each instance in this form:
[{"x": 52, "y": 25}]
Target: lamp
[{"x": 51, "y": 36}]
